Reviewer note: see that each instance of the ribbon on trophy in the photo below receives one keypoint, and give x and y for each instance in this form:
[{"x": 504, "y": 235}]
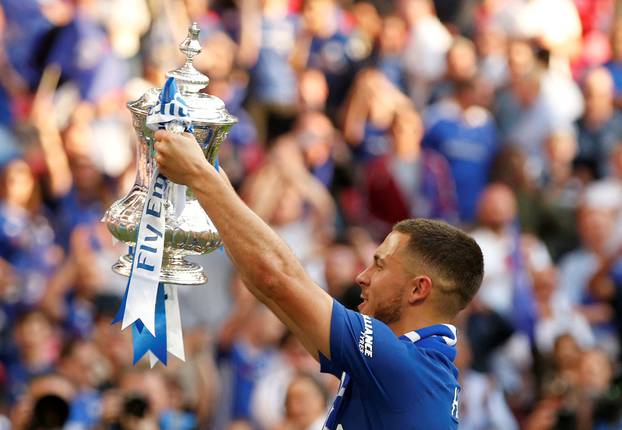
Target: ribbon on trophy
[{"x": 150, "y": 306}]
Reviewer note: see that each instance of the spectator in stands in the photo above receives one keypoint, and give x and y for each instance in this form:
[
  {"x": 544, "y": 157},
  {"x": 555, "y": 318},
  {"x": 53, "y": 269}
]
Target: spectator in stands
[
  {"x": 305, "y": 404},
  {"x": 409, "y": 181},
  {"x": 465, "y": 134},
  {"x": 268, "y": 33},
  {"x": 599, "y": 129}
]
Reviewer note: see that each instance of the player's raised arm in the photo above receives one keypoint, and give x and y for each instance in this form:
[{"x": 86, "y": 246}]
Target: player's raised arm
[{"x": 265, "y": 263}]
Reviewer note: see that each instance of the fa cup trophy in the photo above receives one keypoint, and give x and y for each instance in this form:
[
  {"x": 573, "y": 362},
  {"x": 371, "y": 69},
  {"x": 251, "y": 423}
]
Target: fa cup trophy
[{"x": 162, "y": 222}]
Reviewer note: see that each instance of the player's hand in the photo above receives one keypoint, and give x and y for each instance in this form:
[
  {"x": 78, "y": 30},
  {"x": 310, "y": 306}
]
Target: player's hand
[{"x": 180, "y": 158}]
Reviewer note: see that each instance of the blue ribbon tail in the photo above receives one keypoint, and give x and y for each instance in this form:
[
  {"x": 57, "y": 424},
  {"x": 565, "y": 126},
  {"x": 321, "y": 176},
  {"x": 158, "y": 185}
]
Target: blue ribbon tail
[{"x": 143, "y": 340}]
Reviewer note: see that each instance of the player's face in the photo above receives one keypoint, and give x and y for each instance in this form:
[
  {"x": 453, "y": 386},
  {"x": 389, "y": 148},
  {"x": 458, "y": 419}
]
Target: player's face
[{"x": 383, "y": 283}]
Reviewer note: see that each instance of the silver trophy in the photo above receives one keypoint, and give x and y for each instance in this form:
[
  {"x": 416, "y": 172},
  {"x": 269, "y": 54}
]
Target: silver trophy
[{"x": 188, "y": 228}]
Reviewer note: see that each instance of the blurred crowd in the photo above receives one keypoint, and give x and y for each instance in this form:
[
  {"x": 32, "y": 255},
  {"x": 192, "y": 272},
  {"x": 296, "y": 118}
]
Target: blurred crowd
[{"x": 500, "y": 116}]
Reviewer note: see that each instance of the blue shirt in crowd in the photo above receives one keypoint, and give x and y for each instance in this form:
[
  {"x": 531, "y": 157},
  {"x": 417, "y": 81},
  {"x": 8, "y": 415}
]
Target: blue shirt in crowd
[
  {"x": 333, "y": 56},
  {"x": 85, "y": 56},
  {"x": 390, "y": 382},
  {"x": 248, "y": 364},
  {"x": 26, "y": 28},
  {"x": 468, "y": 140},
  {"x": 272, "y": 78}
]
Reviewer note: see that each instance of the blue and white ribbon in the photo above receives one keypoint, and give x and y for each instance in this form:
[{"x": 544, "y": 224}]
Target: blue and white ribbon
[{"x": 150, "y": 306}]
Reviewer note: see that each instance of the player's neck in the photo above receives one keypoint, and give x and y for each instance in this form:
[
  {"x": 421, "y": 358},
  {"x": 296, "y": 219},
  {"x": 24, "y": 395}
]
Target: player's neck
[{"x": 416, "y": 321}]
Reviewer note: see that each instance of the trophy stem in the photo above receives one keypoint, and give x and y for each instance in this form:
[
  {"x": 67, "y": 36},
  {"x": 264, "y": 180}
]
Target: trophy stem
[{"x": 175, "y": 270}]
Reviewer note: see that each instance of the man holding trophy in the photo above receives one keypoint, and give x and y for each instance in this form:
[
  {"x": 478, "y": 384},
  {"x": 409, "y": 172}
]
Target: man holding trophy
[{"x": 395, "y": 357}]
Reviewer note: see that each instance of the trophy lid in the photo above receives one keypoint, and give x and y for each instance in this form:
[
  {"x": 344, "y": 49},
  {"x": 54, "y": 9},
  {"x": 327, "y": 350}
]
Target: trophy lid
[{"x": 203, "y": 108}]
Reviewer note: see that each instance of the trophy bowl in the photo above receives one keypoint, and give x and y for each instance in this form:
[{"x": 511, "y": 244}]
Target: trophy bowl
[{"x": 188, "y": 229}]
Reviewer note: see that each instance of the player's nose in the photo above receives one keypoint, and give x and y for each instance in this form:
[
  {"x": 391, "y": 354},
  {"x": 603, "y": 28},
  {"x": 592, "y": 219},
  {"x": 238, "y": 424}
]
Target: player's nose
[{"x": 362, "y": 278}]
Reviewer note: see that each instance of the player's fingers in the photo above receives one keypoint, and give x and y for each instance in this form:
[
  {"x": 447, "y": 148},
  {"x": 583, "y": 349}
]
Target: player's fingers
[
  {"x": 160, "y": 147},
  {"x": 161, "y": 135}
]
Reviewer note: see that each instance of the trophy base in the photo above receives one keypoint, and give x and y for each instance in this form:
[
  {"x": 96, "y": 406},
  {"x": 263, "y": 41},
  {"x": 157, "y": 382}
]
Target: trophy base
[{"x": 175, "y": 270}]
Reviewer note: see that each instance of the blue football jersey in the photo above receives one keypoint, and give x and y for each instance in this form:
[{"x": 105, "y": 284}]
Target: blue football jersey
[{"x": 390, "y": 382}]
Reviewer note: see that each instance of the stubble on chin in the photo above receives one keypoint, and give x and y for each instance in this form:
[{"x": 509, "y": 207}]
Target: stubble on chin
[{"x": 389, "y": 311}]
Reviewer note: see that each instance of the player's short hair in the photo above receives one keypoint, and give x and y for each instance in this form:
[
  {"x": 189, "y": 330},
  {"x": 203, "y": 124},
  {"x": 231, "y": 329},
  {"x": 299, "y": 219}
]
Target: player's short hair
[{"x": 449, "y": 253}]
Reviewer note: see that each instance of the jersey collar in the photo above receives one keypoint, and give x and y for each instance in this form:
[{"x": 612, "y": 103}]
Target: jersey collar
[{"x": 439, "y": 337}]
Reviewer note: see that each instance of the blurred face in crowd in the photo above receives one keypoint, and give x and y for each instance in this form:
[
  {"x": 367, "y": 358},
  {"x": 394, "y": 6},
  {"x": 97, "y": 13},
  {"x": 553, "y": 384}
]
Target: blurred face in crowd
[
  {"x": 319, "y": 15},
  {"x": 497, "y": 207},
  {"x": 87, "y": 177},
  {"x": 461, "y": 60},
  {"x": 406, "y": 133},
  {"x": 383, "y": 282},
  {"x": 84, "y": 366},
  {"x": 18, "y": 183},
  {"x": 598, "y": 90},
  {"x": 304, "y": 402},
  {"x": 521, "y": 58},
  {"x": 33, "y": 332},
  {"x": 290, "y": 206},
  {"x": 545, "y": 284},
  {"x": 394, "y": 35},
  {"x": 312, "y": 90},
  {"x": 595, "y": 226},
  {"x": 315, "y": 135},
  {"x": 561, "y": 148}
]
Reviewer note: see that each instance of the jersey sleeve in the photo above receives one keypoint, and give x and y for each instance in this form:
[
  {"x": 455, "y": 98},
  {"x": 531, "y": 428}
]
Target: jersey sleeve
[{"x": 368, "y": 351}]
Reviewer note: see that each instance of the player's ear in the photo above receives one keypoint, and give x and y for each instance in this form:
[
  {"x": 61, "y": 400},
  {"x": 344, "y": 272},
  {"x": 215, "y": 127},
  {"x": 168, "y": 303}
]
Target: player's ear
[{"x": 419, "y": 288}]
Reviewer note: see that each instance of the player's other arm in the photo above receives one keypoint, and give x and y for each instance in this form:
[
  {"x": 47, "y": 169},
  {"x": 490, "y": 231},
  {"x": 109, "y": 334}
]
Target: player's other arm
[{"x": 265, "y": 263}]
